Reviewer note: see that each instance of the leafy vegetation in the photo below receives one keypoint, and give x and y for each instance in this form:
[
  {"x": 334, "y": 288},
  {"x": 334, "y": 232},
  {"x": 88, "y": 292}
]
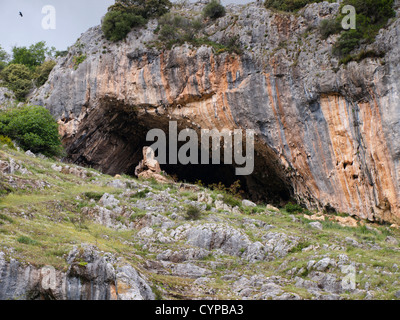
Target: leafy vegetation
[
  {"x": 293, "y": 208},
  {"x": 26, "y": 68},
  {"x": 214, "y": 10},
  {"x": 173, "y": 29},
  {"x": 288, "y": 5},
  {"x": 42, "y": 72},
  {"x": 329, "y": 27},
  {"x": 193, "y": 213},
  {"x": 18, "y": 78},
  {"x": 33, "y": 56},
  {"x": 78, "y": 60},
  {"x": 127, "y": 14},
  {"x": 372, "y": 15},
  {"x": 6, "y": 141},
  {"x": 117, "y": 24},
  {"x": 33, "y": 128},
  {"x": 3, "y": 58},
  {"x": 27, "y": 240}
]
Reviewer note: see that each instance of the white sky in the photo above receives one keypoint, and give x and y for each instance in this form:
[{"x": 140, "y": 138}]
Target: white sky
[{"x": 73, "y": 17}]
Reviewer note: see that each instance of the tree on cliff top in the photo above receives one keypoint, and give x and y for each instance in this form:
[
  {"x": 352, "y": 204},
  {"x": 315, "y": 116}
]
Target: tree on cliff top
[
  {"x": 145, "y": 8},
  {"x": 127, "y": 14}
]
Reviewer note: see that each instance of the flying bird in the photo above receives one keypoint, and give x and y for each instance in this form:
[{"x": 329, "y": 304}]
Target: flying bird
[{"x": 20, "y": 13}]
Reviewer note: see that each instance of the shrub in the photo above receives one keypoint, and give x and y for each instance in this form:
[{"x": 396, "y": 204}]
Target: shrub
[
  {"x": 329, "y": 27},
  {"x": 42, "y": 72},
  {"x": 3, "y": 58},
  {"x": 93, "y": 195},
  {"x": 144, "y": 8},
  {"x": 127, "y": 14},
  {"x": 288, "y": 5},
  {"x": 347, "y": 42},
  {"x": 214, "y": 10},
  {"x": 18, "y": 78},
  {"x": 293, "y": 208},
  {"x": 78, "y": 60},
  {"x": 193, "y": 213},
  {"x": 6, "y": 141},
  {"x": 33, "y": 56},
  {"x": 231, "y": 200},
  {"x": 372, "y": 15},
  {"x": 62, "y": 53},
  {"x": 141, "y": 194},
  {"x": 117, "y": 24},
  {"x": 175, "y": 29},
  {"x": 33, "y": 128}
]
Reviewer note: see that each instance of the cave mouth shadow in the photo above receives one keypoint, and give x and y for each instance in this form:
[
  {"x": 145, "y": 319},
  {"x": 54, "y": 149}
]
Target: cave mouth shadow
[
  {"x": 207, "y": 175},
  {"x": 111, "y": 139}
]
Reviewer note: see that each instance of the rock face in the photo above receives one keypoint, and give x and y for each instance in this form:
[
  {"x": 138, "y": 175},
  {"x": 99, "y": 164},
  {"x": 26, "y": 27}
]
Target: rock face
[
  {"x": 326, "y": 133},
  {"x": 90, "y": 276}
]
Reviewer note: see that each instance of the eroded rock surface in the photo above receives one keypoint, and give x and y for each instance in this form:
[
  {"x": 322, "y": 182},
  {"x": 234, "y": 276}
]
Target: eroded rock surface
[{"x": 326, "y": 133}]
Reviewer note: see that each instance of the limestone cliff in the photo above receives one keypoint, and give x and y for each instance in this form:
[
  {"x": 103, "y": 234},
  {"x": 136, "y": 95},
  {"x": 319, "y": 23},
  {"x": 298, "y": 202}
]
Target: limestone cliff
[{"x": 327, "y": 133}]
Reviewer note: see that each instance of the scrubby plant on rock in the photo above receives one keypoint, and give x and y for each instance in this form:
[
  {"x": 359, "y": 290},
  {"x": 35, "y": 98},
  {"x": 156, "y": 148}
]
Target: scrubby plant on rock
[{"x": 33, "y": 128}]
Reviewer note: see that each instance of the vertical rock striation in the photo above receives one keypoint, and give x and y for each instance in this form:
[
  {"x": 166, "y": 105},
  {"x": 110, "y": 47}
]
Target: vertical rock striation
[{"x": 326, "y": 133}]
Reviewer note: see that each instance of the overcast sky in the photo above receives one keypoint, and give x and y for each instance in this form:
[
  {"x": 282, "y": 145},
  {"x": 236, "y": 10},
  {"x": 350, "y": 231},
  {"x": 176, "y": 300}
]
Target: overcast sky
[{"x": 73, "y": 17}]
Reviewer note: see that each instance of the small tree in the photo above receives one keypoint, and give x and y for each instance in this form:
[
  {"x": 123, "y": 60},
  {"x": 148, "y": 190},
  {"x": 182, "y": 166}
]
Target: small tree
[
  {"x": 33, "y": 128},
  {"x": 43, "y": 71},
  {"x": 117, "y": 24},
  {"x": 18, "y": 78},
  {"x": 214, "y": 10},
  {"x": 33, "y": 56}
]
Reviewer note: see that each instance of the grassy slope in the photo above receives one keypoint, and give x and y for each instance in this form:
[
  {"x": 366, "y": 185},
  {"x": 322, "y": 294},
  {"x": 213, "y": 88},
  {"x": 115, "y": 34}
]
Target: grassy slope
[{"x": 40, "y": 226}]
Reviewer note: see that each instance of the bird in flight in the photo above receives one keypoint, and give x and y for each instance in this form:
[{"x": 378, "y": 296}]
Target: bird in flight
[{"x": 20, "y": 13}]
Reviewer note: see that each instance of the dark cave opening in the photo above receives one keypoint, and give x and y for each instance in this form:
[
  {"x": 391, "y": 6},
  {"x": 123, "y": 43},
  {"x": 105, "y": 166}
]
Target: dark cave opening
[{"x": 112, "y": 141}]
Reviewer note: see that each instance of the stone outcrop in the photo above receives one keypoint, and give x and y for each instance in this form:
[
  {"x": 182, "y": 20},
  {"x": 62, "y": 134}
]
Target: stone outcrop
[
  {"x": 326, "y": 133},
  {"x": 90, "y": 276},
  {"x": 149, "y": 167}
]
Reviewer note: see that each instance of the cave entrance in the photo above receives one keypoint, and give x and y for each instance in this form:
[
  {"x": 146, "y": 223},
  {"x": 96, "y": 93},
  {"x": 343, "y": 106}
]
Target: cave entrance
[{"x": 112, "y": 138}]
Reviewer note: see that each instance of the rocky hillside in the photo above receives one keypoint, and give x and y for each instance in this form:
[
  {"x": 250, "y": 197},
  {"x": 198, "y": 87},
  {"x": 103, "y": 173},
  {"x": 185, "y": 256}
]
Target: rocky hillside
[
  {"x": 68, "y": 232},
  {"x": 327, "y": 133}
]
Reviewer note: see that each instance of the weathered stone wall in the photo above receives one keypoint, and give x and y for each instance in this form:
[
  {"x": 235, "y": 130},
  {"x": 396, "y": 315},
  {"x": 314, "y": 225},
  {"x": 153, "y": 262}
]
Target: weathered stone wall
[{"x": 326, "y": 132}]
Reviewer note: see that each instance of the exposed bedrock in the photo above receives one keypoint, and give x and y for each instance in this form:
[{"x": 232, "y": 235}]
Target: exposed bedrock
[{"x": 327, "y": 134}]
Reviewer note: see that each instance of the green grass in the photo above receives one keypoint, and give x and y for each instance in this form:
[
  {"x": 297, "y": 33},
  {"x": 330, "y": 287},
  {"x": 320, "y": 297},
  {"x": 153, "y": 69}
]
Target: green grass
[{"x": 53, "y": 224}]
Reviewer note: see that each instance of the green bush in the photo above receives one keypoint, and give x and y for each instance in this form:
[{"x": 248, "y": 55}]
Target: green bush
[
  {"x": 175, "y": 29},
  {"x": 93, "y": 195},
  {"x": 288, "y": 5},
  {"x": 293, "y": 208},
  {"x": 127, "y": 14},
  {"x": 193, "y": 213},
  {"x": 42, "y": 72},
  {"x": 144, "y": 8},
  {"x": 117, "y": 24},
  {"x": 78, "y": 60},
  {"x": 329, "y": 27},
  {"x": 372, "y": 15},
  {"x": 33, "y": 128},
  {"x": 18, "y": 78},
  {"x": 214, "y": 10},
  {"x": 347, "y": 42},
  {"x": 3, "y": 58},
  {"x": 6, "y": 141},
  {"x": 33, "y": 56}
]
